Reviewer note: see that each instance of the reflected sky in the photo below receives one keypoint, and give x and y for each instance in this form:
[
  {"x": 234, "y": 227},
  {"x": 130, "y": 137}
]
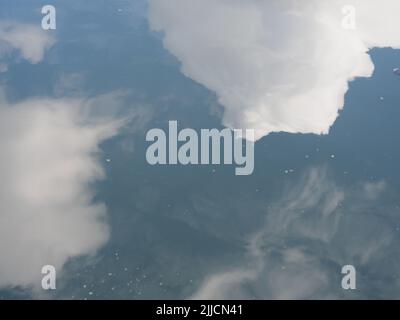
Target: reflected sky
[{"x": 312, "y": 205}]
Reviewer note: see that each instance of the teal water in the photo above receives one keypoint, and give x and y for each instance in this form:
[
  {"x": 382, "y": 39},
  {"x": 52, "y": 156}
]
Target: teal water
[{"x": 173, "y": 226}]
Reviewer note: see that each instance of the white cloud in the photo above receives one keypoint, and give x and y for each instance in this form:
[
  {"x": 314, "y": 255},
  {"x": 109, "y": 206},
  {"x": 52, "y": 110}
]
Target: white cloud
[
  {"x": 315, "y": 229},
  {"x": 49, "y": 161},
  {"x": 30, "y": 41},
  {"x": 277, "y": 65}
]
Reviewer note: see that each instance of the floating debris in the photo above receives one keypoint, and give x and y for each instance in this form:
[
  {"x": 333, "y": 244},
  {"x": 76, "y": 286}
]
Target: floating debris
[
  {"x": 289, "y": 171},
  {"x": 396, "y": 71}
]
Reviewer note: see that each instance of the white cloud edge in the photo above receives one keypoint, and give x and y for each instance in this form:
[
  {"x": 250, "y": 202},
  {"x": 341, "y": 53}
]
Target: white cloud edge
[{"x": 276, "y": 66}]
